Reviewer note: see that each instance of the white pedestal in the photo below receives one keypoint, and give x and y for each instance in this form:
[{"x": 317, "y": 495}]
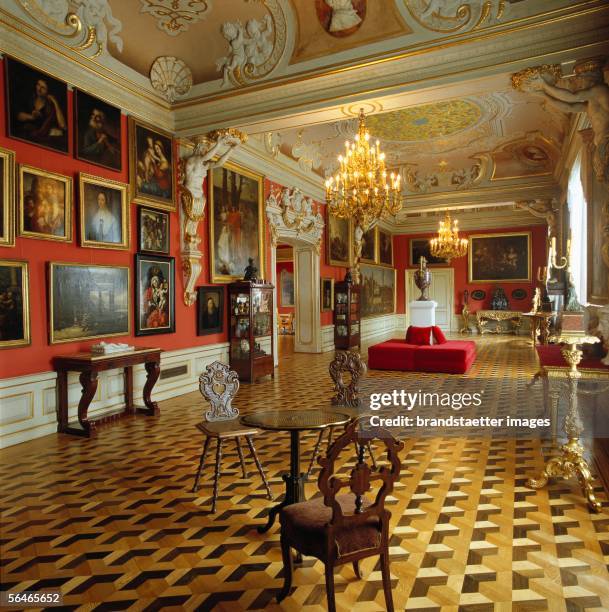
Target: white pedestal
[{"x": 422, "y": 314}]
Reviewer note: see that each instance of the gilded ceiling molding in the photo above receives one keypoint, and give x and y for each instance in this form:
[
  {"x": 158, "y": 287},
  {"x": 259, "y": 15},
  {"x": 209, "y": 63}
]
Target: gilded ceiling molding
[
  {"x": 171, "y": 77},
  {"x": 447, "y": 16},
  {"x": 293, "y": 215},
  {"x": 88, "y": 24},
  {"x": 192, "y": 170},
  {"x": 254, "y": 49},
  {"x": 175, "y": 16}
]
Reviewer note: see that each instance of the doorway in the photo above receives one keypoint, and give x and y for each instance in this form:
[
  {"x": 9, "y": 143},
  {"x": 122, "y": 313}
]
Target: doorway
[
  {"x": 440, "y": 291},
  {"x": 286, "y": 299}
]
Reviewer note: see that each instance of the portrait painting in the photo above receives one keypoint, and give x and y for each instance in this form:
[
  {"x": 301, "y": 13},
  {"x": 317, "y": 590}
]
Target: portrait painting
[
  {"x": 236, "y": 230},
  {"x": 152, "y": 166},
  {"x": 45, "y": 204},
  {"x": 385, "y": 248},
  {"x": 7, "y": 197},
  {"x": 210, "y": 319},
  {"x": 88, "y": 301},
  {"x": 104, "y": 213},
  {"x": 98, "y": 131},
  {"x": 37, "y": 107},
  {"x": 419, "y": 247},
  {"x": 378, "y": 291},
  {"x": 327, "y": 294},
  {"x": 341, "y": 17},
  {"x": 154, "y": 295},
  {"x": 338, "y": 241},
  {"x": 153, "y": 231},
  {"x": 500, "y": 257},
  {"x": 286, "y": 282},
  {"x": 14, "y": 304},
  {"x": 369, "y": 242}
]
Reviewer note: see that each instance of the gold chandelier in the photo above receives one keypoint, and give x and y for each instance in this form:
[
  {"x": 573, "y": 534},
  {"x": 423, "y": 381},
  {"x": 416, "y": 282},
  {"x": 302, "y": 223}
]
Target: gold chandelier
[{"x": 447, "y": 245}]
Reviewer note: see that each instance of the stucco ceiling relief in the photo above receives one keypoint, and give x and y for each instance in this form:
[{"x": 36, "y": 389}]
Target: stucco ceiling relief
[
  {"x": 445, "y": 178},
  {"x": 456, "y": 15},
  {"x": 175, "y": 16},
  {"x": 88, "y": 25},
  {"x": 308, "y": 155},
  {"x": 171, "y": 77}
]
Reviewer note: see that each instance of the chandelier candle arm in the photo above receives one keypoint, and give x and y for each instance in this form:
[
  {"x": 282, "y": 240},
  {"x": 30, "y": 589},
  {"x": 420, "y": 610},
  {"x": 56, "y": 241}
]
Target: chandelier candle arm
[{"x": 447, "y": 244}]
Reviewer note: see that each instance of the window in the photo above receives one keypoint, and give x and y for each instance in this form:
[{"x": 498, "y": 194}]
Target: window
[{"x": 577, "y": 219}]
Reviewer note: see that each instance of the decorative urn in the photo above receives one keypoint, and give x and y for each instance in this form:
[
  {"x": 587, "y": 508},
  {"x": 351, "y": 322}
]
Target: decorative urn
[{"x": 422, "y": 279}]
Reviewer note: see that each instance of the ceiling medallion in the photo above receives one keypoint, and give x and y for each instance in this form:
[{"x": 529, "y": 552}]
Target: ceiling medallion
[
  {"x": 341, "y": 17},
  {"x": 254, "y": 49},
  {"x": 453, "y": 15},
  {"x": 176, "y": 16},
  {"x": 447, "y": 244},
  {"x": 171, "y": 77}
]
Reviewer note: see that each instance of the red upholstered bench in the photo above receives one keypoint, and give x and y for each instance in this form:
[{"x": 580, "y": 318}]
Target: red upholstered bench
[{"x": 452, "y": 357}]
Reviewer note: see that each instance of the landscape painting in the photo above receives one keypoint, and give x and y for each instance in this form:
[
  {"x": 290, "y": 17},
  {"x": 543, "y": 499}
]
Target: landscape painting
[
  {"x": 500, "y": 257},
  {"x": 378, "y": 291}
]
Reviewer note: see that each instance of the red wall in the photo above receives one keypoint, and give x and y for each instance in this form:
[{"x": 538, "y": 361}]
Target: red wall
[
  {"x": 289, "y": 266},
  {"x": 401, "y": 249}
]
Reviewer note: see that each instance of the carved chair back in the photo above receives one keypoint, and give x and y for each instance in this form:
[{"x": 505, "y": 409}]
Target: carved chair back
[
  {"x": 347, "y": 392},
  {"x": 362, "y": 479},
  {"x": 219, "y": 385}
]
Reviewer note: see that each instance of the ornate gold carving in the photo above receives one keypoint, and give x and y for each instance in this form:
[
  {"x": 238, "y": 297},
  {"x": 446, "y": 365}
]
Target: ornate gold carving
[
  {"x": 484, "y": 316},
  {"x": 175, "y": 16},
  {"x": 465, "y": 315},
  {"x": 525, "y": 80},
  {"x": 448, "y": 16}
]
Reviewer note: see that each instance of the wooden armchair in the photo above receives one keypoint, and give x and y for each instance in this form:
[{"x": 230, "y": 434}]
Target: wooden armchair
[
  {"x": 338, "y": 529},
  {"x": 219, "y": 385}
]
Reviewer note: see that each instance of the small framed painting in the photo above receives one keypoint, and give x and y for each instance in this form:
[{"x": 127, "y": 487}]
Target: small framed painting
[
  {"x": 500, "y": 257},
  {"x": 152, "y": 231},
  {"x": 45, "y": 204},
  {"x": 7, "y": 197},
  {"x": 327, "y": 294},
  {"x": 37, "y": 106},
  {"x": 154, "y": 295},
  {"x": 339, "y": 241},
  {"x": 98, "y": 131},
  {"x": 286, "y": 282},
  {"x": 104, "y": 213},
  {"x": 369, "y": 246},
  {"x": 14, "y": 304},
  {"x": 152, "y": 166},
  {"x": 419, "y": 247},
  {"x": 385, "y": 248},
  {"x": 210, "y": 316}
]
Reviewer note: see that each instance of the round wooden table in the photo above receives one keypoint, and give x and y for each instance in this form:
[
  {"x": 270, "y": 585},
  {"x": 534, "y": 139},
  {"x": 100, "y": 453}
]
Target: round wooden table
[{"x": 293, "y": 421}]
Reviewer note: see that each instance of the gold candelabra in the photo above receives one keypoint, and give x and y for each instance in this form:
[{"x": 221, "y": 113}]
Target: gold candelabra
[
  {"x": 447, "y": 244},
  {"x": 553, "y": 255}
]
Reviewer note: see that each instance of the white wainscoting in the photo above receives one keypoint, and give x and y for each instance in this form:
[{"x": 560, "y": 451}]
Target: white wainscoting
[
  {"x": 28, "y": 403},
  {"x": 375, "y": 329}
]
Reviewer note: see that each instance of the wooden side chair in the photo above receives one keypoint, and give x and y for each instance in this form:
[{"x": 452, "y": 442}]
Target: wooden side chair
[
  {"x": 219, "y": 385},
  {"x": 338, "y": 529},
  {"x": 345, "y": 363}
]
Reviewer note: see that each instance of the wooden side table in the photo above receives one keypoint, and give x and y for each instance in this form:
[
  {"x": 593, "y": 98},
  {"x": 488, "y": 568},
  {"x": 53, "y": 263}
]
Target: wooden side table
[{"x": 89, "y": 367}]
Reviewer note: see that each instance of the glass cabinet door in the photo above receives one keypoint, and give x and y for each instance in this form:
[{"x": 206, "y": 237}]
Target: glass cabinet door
[{"x": 262, "y": 312}]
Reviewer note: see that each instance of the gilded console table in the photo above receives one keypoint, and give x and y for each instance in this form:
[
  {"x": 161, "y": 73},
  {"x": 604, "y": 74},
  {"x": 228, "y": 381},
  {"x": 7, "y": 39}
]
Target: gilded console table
[
  {"x": 89, "y": 366},
  {"x": 484, "y": 316}
]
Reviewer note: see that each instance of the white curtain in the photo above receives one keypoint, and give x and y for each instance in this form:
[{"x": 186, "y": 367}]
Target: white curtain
[{"x": 578, "y": 223}]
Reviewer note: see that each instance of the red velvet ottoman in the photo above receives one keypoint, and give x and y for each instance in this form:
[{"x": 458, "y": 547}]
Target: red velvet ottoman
[{"x": 452, "y": 357}]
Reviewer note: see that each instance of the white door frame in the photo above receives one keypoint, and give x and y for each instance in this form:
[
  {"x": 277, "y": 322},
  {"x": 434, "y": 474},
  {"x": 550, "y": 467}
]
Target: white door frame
[{"x": 408, "y": 274}]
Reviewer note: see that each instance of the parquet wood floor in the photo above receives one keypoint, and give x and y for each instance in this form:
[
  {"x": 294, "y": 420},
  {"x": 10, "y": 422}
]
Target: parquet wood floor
[{"x": 111, "y": 522}]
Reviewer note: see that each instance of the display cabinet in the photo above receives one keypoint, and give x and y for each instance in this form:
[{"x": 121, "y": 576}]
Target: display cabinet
[
  {"x": 251, "y": 329},
  {"x": 346, "y": 315}
]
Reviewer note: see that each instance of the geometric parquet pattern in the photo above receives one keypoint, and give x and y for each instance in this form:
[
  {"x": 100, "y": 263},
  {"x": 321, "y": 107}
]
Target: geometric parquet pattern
[{"x": 112, "y": 522}]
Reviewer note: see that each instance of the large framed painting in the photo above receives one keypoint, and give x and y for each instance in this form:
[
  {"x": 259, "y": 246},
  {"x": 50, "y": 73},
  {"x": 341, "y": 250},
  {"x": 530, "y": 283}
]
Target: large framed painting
[
  {"x": 286, "y": 282},
  {"x": 45, "y": 204},
  {"x": 152, "y": 166},
  {"x": 500, "y": 257},
  {"x": 153, "y": 231},
  {"x": 385, "y": 248},
  {"x": 327, "y": 294},
  {"x": 236, "y": 222},
  {"x": 369, "y": 246},
  {"x": 378, "y": 290},
  {"x": 14, "y": 304},
  {"x": 99, "y": 132},
  {"x": 154, "y": 295},
  {"x": 37, "y": 107},
  {"x": 7, "y": 197},
  {"x": 88, "y": 301},
  {"x": 339, "y": 241},
  {"x": 598, "y": 268},
  {"x": 210, "y": 316},
  {"x": 419, "y": 247},
  {"x": 104, "y": 213}
]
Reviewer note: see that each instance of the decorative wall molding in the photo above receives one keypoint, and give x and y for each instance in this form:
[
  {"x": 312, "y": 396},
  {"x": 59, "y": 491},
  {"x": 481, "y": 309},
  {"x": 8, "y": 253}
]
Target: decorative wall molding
[
  {"x": 29, "y": 402},
  {"x": 175, "y": 16},
  {"x": 171, "y": 77},
  {"x": 192, "y": 170}
]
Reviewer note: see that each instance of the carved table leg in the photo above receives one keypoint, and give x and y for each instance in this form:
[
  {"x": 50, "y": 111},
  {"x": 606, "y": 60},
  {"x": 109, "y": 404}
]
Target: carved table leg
[
  {"x": 129, "y": 408},
  {"x": 62, "y": 401},
  {"x": 153, "y": 370},
  {"x": 88, "y": 380}
]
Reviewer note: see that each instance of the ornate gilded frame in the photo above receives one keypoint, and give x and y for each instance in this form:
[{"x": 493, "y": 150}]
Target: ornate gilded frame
[
  {"x": 336, "y": 262},
  {"x": 7, "y": 237},
  {"x": 25, "y": 283},
  {"x": 123, "y": 188},
  {"x": 382, "y": 314},
  {"x": 474, "y": 237},
  {"x": 68, "y": 203},
  {"x": 259, "y": 178}
]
